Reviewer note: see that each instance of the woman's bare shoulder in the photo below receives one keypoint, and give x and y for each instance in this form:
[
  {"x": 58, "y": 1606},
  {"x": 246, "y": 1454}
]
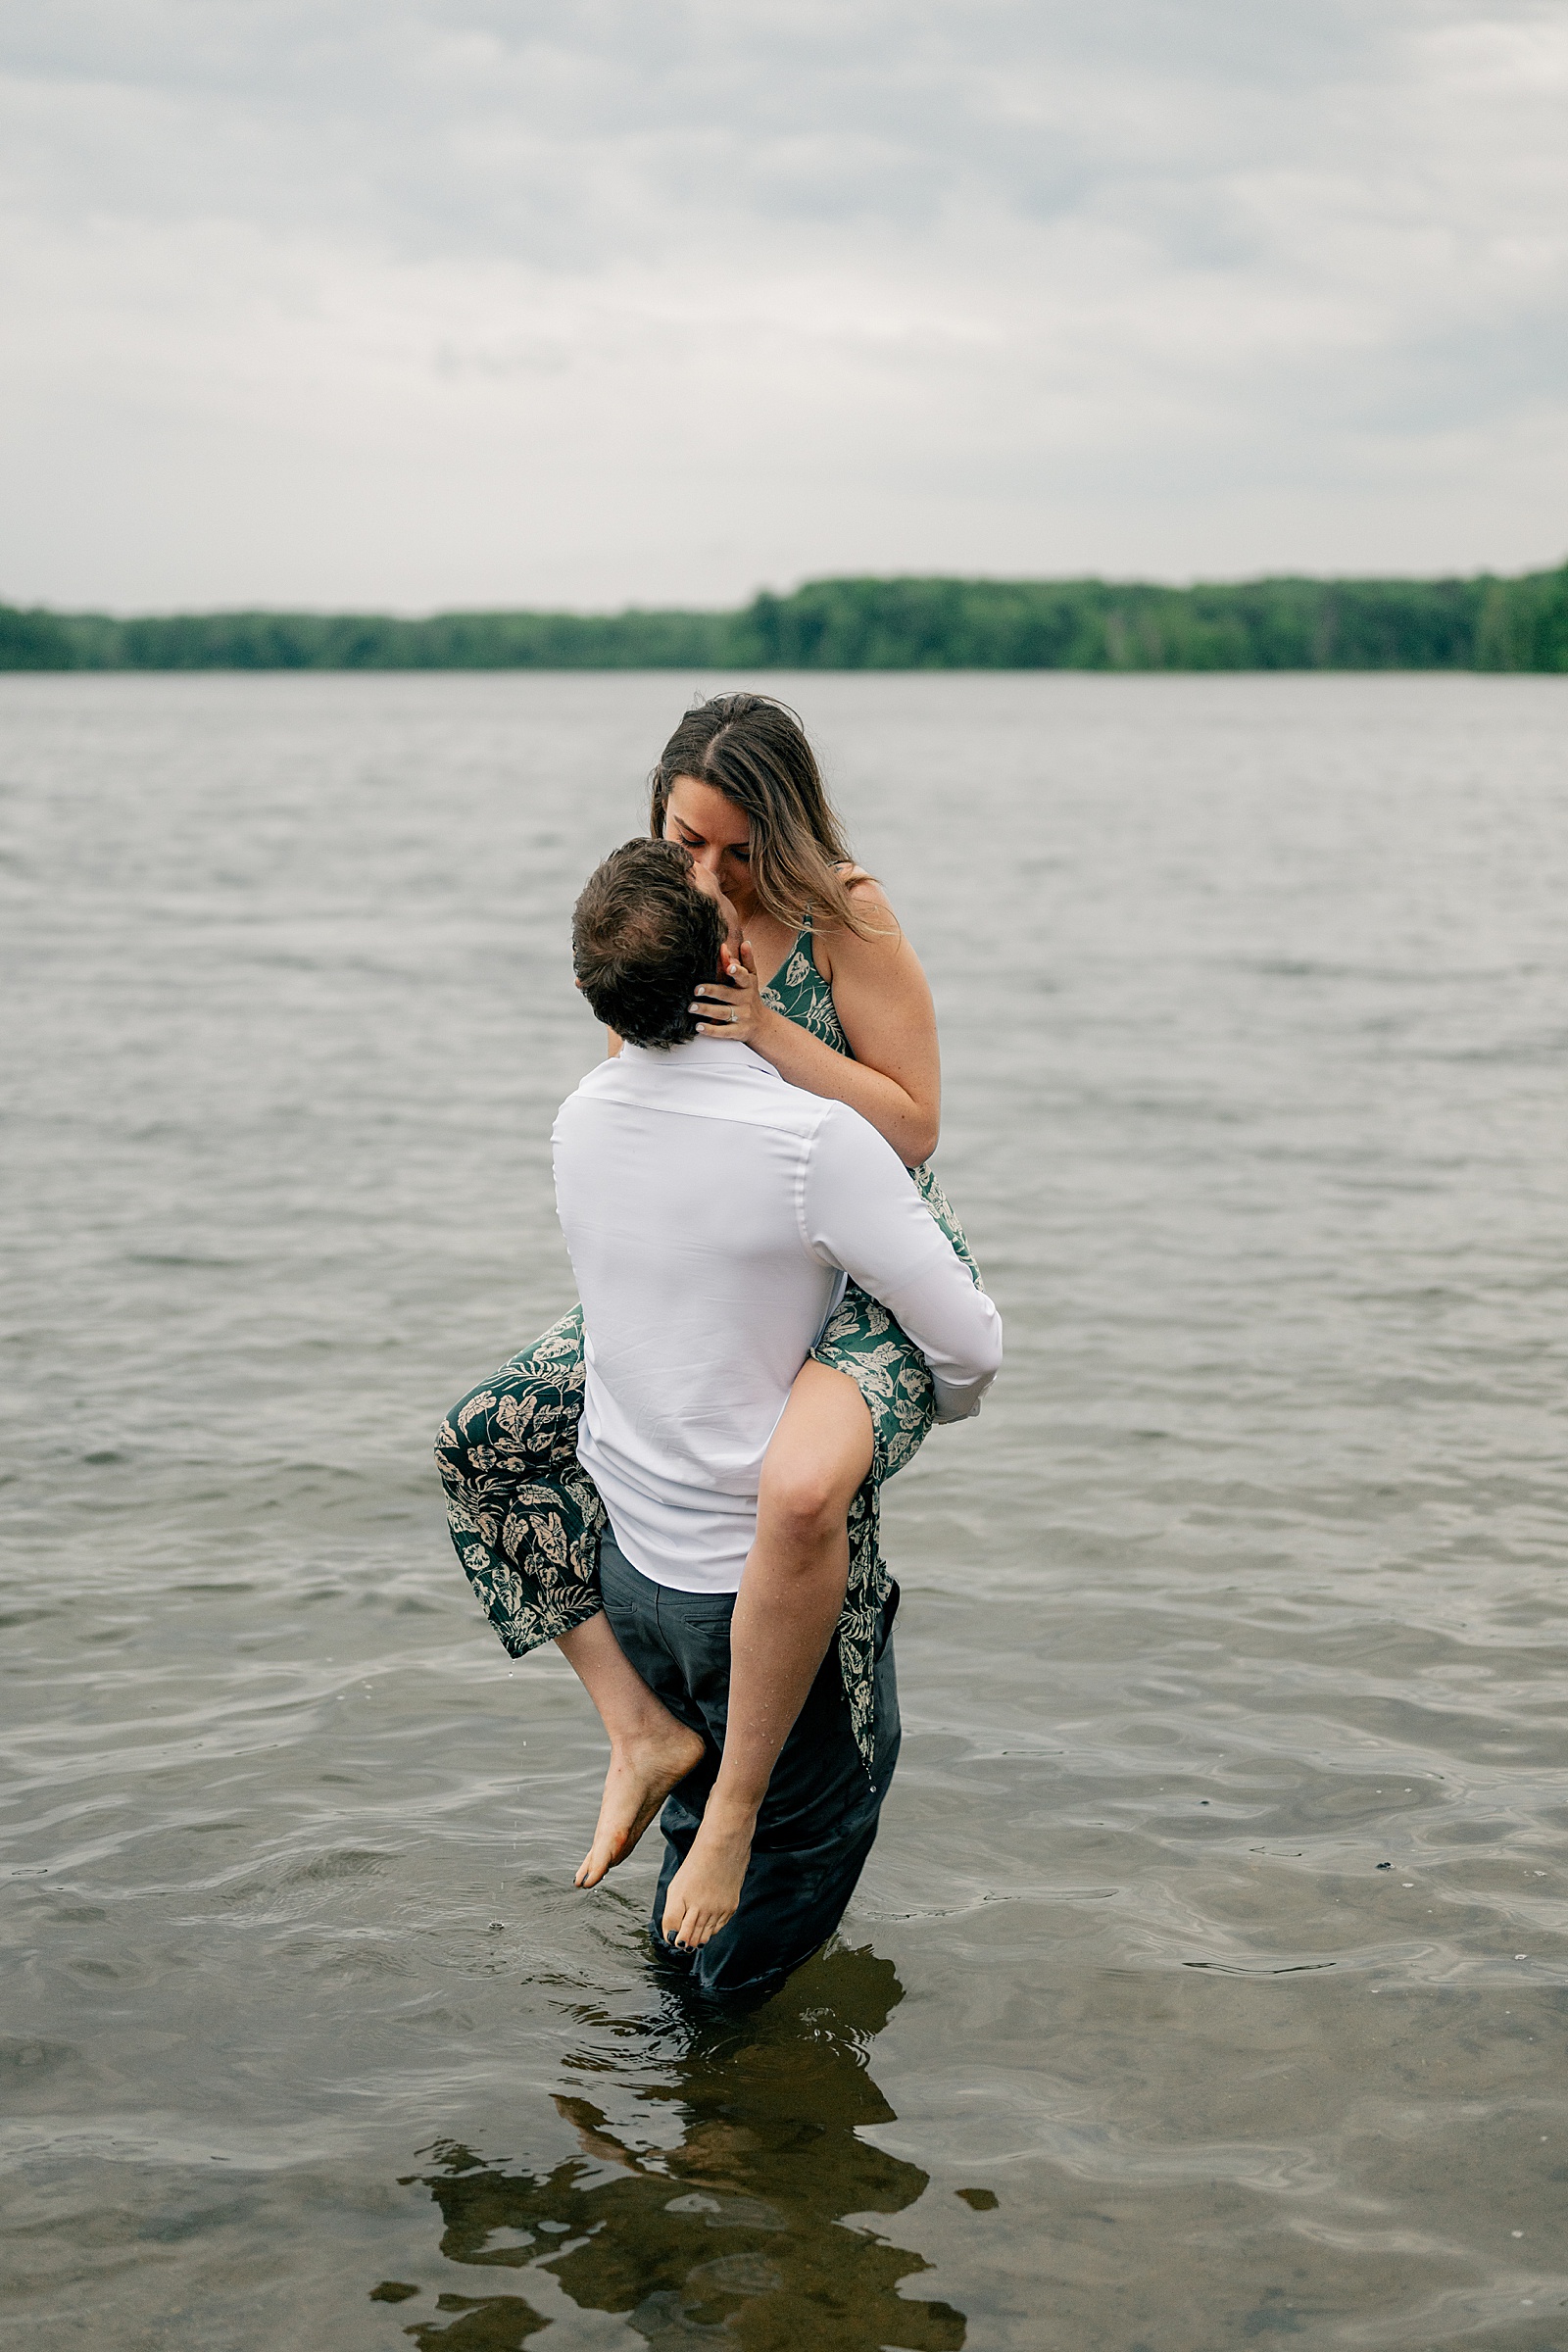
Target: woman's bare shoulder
[{"x": 876, "y": 956}]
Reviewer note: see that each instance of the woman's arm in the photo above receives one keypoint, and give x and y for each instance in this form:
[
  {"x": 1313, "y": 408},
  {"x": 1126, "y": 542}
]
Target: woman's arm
[{"x": 885, "y": 1009}]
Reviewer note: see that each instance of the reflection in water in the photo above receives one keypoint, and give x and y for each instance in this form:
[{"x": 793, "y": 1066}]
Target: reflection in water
[{"x": 736, "y": 2235}]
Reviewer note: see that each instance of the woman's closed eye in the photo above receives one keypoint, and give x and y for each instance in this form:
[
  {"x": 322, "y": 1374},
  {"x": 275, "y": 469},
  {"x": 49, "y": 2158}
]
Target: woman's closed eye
[{"x": 741, "y": 852}]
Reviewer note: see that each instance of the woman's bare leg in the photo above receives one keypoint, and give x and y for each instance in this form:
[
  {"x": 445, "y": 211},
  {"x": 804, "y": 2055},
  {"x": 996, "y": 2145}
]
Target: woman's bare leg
[
  {"x": 789, "y": 1602},
  {"x": 650, "y": 1749}
]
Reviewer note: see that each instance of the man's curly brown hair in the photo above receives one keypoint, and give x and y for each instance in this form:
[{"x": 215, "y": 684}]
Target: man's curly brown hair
[{"x": 643, "y": 936}]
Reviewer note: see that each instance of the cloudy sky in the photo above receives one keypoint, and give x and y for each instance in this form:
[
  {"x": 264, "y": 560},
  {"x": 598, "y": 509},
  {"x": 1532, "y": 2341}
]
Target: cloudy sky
[{"x": 408, "y": 302}]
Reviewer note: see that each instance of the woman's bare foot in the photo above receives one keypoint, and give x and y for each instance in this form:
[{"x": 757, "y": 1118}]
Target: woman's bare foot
[
  {"x": 643, "y": 1769},
  {"x": 707, "y": 1888}
]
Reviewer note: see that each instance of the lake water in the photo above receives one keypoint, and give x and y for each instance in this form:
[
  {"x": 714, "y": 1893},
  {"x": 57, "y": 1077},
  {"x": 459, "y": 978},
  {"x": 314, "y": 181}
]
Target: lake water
[{"x": 1233, "y": 1644}]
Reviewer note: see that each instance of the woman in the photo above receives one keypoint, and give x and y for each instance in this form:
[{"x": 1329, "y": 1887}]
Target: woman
[{"x": 845, "y": 1013}]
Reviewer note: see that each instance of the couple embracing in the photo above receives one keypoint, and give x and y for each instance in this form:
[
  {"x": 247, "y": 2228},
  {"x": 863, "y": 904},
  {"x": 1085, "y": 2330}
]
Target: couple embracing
[{"x": 678, "y": 1483}]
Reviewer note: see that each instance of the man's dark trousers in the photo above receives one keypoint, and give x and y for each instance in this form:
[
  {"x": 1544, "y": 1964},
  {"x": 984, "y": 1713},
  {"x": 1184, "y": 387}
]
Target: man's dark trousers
[{"x": 819, "y": 1817}]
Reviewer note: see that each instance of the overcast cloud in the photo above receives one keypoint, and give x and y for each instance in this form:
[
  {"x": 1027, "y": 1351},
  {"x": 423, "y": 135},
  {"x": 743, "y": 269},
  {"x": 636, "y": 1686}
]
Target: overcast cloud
[{"x": 419, "y": 302}]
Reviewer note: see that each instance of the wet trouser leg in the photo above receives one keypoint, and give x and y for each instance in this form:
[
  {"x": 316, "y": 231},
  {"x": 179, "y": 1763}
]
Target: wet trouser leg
[{"x": 818, "y": 1820}]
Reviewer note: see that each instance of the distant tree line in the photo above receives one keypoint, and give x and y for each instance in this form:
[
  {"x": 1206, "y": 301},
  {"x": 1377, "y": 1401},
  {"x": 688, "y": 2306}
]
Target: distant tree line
[{"x": 1481, "y": 623}]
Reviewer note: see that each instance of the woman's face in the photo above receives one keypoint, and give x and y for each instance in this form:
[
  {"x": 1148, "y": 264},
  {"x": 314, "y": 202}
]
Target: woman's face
[{"x": 706, "y": 822}]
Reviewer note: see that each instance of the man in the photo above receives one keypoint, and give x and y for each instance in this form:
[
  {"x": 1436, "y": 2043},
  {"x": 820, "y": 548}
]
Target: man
[{"x": 712, "y": 1214}]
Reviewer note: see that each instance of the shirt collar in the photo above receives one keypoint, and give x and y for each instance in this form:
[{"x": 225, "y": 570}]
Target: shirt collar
[{"x": 705, "y": 1054}]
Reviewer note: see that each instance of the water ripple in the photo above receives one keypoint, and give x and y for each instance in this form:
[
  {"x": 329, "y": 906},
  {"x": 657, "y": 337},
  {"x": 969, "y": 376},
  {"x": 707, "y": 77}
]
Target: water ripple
[{"x": 1209, "y": 1980}]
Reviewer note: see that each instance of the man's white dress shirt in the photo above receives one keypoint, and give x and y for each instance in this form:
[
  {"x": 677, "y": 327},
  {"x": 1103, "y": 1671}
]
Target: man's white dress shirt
[{"x": 712, "y": 1213}]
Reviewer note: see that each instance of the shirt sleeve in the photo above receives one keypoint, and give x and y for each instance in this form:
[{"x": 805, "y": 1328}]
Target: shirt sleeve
[{"x": 859, "y": 1211}]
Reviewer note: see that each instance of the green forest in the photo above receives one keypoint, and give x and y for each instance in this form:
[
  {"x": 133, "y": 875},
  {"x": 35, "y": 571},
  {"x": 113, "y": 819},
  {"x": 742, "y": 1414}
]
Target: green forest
[{"x": 1481, "y": 623}]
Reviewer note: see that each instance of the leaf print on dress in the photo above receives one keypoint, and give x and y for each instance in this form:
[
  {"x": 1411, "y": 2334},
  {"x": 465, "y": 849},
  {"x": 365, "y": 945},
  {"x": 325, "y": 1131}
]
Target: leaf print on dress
[{"x": 525, "y": 1517}]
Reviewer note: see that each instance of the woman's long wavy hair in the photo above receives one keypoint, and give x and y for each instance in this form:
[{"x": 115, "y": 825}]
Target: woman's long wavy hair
[{"x": 755, "y": 751}]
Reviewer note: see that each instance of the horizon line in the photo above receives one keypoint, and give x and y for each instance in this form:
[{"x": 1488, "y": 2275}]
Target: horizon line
[{"x": 763, "y": 595}]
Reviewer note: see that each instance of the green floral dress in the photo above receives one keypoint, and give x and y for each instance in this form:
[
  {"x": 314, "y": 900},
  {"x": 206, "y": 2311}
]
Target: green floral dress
[{"x": 527, "y": 1518}]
